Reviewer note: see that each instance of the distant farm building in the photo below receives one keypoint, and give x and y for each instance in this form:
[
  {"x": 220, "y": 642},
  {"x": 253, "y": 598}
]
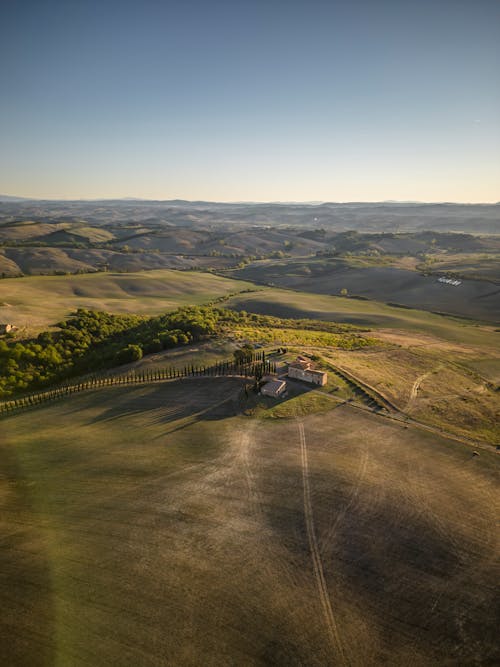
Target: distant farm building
[
  {"x": 302, "y": 369},
  {"x": 6, "y": 328},
  {"x": 274, "y": 388}
]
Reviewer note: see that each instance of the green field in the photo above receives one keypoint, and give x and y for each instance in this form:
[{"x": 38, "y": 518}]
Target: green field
[
  {"x": 157, "y": 525},
  {"x": 296, "y": 336},
  {"x": 36, "y": 302},
  {"x": 289, "y": 303}
]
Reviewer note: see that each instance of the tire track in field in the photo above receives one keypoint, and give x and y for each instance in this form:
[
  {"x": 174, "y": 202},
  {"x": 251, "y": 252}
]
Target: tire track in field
[
  {"x": 416, "y": 387},
  {"x": 319, "y": 575},
  {"x": 351, "y": 500},
  {"x": 245, "y": 437},
  {"x": 472, "y": 557}
]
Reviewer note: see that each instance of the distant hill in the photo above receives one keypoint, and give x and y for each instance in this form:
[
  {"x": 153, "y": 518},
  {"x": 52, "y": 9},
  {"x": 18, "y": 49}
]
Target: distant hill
[
  {"x": 360, "y": 216},
  {"x": 10, "y": 198}
]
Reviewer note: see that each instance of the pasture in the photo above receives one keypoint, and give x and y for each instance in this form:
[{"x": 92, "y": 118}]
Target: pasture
[
  {"x": 36, "y": 302},
  {"x": 365, "y": 313},
  {"x": 159, "y": 525}
]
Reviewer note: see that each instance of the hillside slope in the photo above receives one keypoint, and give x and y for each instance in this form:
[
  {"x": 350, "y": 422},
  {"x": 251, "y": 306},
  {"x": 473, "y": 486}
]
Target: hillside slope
[{"x": 338, "y": 539}]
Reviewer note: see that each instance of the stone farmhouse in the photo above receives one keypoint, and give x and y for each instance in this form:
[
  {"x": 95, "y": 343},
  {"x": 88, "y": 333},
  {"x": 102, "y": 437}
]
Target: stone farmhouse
[{"x": 303, "y": 369}]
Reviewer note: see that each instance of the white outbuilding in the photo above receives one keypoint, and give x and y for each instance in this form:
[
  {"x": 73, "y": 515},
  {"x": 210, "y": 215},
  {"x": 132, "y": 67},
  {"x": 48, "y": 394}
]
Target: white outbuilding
[{"x": 274, "y": 388}]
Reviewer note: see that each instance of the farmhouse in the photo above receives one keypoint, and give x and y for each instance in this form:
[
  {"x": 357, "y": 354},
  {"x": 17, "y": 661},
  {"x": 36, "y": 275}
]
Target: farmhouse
[
  {"x": 6, "y": 328},
  {"x": 273, "y": 388},
  {"x": 302, "y": 369}
]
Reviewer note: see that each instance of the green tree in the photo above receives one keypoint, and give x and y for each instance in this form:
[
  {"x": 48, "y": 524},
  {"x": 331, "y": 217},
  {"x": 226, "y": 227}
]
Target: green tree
[
  {"x": 128, "y": 354},
  {"x": 244, "y": 354}
]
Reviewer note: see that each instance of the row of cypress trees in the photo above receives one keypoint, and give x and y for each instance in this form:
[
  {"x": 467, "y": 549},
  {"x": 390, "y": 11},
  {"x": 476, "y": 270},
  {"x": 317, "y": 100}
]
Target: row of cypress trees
[{"x": 255, "y": 368}]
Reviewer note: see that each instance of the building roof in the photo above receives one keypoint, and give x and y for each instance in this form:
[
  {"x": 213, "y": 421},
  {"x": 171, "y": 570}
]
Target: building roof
[
  {"x": 315, "y": 372},
  {"x": 274, "y": 386},
  {"x": 299, "y": 363}
]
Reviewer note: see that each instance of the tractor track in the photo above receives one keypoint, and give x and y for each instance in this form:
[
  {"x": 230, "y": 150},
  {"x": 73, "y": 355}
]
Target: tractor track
[
  {"x": 319, "y": 575},
  {"x": 416, "y": 387}
]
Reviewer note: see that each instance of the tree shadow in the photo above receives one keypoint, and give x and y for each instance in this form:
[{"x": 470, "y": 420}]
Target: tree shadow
[{"x": 186, "y": 399}]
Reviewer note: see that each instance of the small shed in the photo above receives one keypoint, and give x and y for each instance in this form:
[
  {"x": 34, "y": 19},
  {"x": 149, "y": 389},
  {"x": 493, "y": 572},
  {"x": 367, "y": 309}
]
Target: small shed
[
  {"x": 6, "y": 328},
  {"x": 273, "y": 388}
]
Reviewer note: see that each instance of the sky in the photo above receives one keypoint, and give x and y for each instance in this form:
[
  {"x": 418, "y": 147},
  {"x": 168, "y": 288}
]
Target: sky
[{"x": 273, "y": 100}]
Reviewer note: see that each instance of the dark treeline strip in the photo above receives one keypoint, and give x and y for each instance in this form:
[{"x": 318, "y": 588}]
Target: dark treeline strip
[{"x": 255, "y": 367}]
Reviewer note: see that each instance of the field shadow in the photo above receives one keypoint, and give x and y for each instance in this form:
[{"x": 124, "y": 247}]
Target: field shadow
[
  {"x": 292, "y": 312},
  {"x": 184, "y": 400},
  {"x": 401, "y": 564},
  {"x": 27, "y": 574}
]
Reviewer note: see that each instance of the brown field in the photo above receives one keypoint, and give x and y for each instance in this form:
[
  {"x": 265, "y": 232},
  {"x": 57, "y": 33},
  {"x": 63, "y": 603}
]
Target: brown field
[
  {"x": 157, "y": 525},
  {"x": 428, "y": 386}
]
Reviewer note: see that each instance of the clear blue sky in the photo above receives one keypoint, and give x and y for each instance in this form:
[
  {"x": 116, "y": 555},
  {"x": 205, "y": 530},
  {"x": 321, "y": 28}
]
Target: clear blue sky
[{"x": 262, "y": 100}]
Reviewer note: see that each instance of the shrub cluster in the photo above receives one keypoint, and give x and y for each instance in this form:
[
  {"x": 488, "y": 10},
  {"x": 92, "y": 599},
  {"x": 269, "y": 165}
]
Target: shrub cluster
[{"x": 92, "y": 340}]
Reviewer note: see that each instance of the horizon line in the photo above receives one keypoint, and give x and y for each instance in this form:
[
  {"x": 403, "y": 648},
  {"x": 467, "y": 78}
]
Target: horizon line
[{"x": 4, "y": 198}]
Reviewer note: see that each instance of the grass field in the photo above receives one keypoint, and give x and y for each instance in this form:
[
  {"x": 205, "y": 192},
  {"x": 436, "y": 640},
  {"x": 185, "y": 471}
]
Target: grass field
[
  {"x": 288, "y": 303},
  {"x": 287, "y": 336},
  {"x": 429, "y": 387},
  {"x": 36, "y": 302},
  {"x": 197, "y": 354},
  {"x": 476, "y": 299},
  {"x": 157, "y": 525}
]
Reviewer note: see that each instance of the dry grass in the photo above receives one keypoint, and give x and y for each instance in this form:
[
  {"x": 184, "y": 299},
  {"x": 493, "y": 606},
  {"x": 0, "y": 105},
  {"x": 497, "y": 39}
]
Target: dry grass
[
  {"x": 429, "y": 386},
  {"x": 155, "y": 525},
  {"x": 36, "y": 302},
  {"x": 287, "y": 303}
]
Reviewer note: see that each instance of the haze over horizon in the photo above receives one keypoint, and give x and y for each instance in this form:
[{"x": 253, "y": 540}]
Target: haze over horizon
[
  {"x": 262, "y": 102},
  {"x": 132, "y": 199}
]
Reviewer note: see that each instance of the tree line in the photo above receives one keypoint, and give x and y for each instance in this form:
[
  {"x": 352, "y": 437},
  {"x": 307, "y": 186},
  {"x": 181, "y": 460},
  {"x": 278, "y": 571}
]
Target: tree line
[
  {"x": 255, "y": 367},
  {"x": 93, "y": 341}
]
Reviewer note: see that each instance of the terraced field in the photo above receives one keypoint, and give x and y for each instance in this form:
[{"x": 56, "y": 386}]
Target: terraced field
[{"x": 159, "y": 525}]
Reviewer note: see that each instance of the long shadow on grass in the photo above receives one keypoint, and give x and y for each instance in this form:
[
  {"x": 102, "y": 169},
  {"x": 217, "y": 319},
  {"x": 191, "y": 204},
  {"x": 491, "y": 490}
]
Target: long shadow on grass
[
  {"x": 416, "y": 580},
  {"x": 170, "y": 402},
  {"x": 286, "y": 311}
]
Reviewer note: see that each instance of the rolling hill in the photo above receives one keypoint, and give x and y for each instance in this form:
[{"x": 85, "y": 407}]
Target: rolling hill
[{"x": 337, "y": 538}]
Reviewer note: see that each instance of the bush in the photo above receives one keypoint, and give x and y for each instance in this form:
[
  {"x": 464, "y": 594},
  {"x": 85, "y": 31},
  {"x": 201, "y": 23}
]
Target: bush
[
  {"x": 154, "y": 346},
  {"x": 128, "y": 354}
]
